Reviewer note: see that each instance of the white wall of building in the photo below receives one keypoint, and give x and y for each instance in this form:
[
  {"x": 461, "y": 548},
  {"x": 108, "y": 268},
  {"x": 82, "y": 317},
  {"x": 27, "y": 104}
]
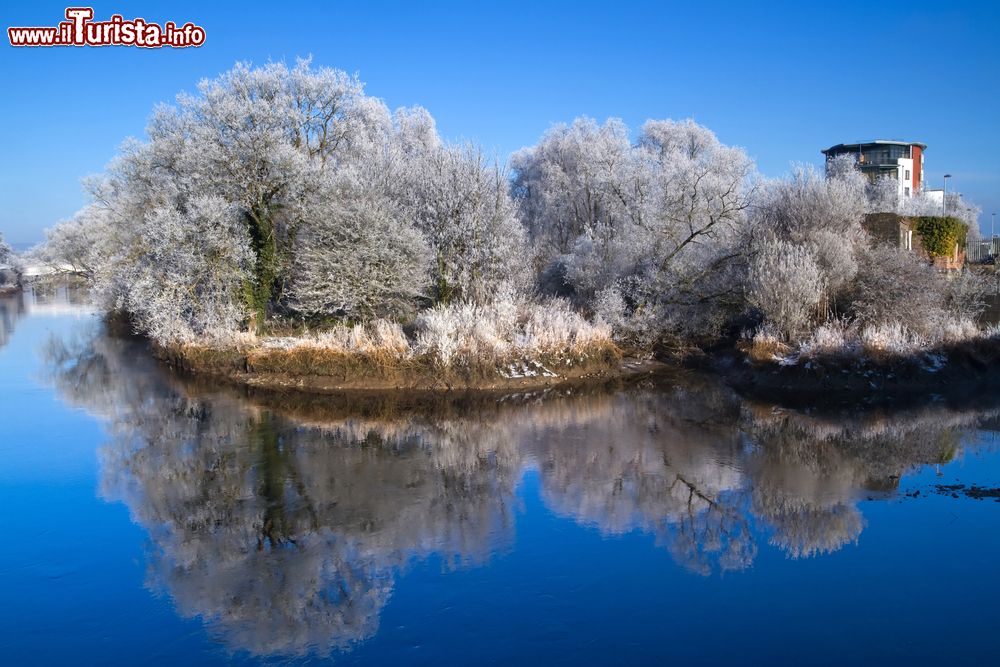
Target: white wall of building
[
  {"x": 936, "y": 196},
  {"x": 904, "y": 176}
]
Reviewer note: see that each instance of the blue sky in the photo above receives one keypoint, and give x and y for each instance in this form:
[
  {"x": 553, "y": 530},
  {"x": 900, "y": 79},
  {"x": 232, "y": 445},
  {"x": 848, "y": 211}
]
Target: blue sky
[{"x": 783, "y": 80}]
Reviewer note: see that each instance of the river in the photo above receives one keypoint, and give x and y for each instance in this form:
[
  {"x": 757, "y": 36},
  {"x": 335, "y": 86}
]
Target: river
[{"x": 162, "y": 519}]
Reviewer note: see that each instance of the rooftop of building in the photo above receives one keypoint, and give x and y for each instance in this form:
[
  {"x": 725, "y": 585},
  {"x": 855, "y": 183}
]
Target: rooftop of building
[{"x": 872, "y": 142}]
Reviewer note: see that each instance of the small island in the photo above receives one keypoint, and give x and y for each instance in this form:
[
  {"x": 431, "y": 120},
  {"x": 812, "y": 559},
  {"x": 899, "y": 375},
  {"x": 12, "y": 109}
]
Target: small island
[{"x": 282, "y": 228}]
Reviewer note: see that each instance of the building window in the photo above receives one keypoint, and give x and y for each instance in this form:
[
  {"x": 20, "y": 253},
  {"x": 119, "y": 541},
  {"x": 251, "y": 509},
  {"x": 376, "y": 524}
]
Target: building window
[
  {"x": 906, "y": 191},
  {"x": 907, "y": 175}
]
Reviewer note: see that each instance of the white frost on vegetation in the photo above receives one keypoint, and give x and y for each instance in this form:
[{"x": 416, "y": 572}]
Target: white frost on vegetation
[
  {"x": 508, "y": 328},
  {"x": 513, "y": 334},
  {"x": 280, "y": 194}
]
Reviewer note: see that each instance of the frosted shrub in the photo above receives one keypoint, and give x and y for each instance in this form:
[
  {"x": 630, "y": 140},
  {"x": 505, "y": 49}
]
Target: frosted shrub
[
  {"x": 380, "y": 337},
  {"x": 554, "y": 326},
  {"x": 836, "y": 337},
  {"x": 785, "y": 284},
  {"x": 967, "y": 293},
  {"x": 956, "y": 331},
  {"x": 609, "y": 305},
  {"x": 480, "y": 329},
  {"x": 991, "y": 332},
  {"x": 445, "y": 331},
  {"x": 896, "y": 287},
  {"x": 505, "y": 330},
  {"x": 504, "y": 309},
  {"x": 891, "y": 338},
  {"x": 6, "y": 253},
  {"x": 386, "y": 335},
  {"x": 481, "y": 332},
  {"x": 822, "y": 214},
  {"x": 640, "y": 326},
  {"x": 438, "y": 335},
  {"x": 461, "y": 204},
  {"x": 767, "y": 344},
  {"x": 339, "y": 338}
]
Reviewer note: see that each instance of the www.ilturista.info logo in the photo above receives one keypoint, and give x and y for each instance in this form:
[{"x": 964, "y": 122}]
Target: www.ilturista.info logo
[{"x": 80, "y": 30}]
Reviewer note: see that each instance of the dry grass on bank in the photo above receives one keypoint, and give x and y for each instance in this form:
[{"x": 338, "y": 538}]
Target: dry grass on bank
[
  {"x": 505, "y": 340},
  {"x": 882, "y": 344}
]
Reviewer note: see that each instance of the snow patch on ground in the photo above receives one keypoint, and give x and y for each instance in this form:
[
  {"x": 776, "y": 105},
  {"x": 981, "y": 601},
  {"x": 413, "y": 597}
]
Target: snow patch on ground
[{"x": 526, "y": 369}]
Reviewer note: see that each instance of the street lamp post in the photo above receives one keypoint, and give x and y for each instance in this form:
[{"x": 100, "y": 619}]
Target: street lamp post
[{"x": 944, "y": 196}]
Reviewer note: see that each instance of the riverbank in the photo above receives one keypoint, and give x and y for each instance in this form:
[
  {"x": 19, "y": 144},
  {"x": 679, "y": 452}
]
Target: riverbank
[
  {"x": 955, "y": 371},
  {"x": 959, "y": 371},
  {"x": 305, "y": 365}
]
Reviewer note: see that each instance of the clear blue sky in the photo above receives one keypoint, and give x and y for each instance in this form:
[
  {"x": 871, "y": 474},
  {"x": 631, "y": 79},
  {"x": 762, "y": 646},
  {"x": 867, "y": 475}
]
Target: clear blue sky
[{"x": 781, "y": 80}]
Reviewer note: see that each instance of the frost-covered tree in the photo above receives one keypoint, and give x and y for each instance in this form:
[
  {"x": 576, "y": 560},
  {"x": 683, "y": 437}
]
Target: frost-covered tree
[
  {"x": 462, "y": 205},
  {"x": 357, "y": 258},
  {"x": 820, "y": 216},
  {"x": 652, "y": 227},
  {"x": 81, "y": 243},
  {"x": 7, "y": 256},
  {"x": 186, "y": 282},
  {"x": 169, "y": 251},
  {"x": 785, "y": 283},
  {"x": 694, "y": 223},
  {"x": 322, "y": 202},
  {"x": 6, "y": 252},
  {"x": 258, "y": 137},
  {"x": 574, "y": 182},
  {"x": 8, "y": 260},
  {"x": 256, "y": 142},
  {"x": 883, "y": 195}
]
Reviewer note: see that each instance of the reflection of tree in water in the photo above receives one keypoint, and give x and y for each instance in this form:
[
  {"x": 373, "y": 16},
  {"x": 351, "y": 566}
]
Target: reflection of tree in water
[
  {"x": 286, "y": 538},
  {"x": 53, "y": 298},
  {"x": 284, "y": 521},
  {"x": 10, "y": 311},
  {"x": 809, "y": 471},
  {"x": 658, "y": 462}
]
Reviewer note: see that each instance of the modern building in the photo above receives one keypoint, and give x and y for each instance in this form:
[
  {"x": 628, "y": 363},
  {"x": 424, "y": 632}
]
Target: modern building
[{"x": 900, "y": 160}]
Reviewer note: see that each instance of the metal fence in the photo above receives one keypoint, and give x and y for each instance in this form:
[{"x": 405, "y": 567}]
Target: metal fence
[{"x": 982, "y": 252}]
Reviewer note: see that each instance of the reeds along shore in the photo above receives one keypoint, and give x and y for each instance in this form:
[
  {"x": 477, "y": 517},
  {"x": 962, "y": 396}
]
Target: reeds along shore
[{"x": 468, "y": 346}]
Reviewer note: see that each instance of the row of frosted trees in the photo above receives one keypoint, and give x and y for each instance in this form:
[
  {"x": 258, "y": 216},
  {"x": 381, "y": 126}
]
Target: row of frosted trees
[{"x": 279, "y": 194}]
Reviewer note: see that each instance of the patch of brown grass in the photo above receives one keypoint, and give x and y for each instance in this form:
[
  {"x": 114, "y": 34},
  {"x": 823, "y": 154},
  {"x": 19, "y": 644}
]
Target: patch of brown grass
[
  {"x": 763, "y": 349},
  {"x": 330, "y": 362},
  {"x": 203, "y": 358},
  {"x": 379, "y": 367}
]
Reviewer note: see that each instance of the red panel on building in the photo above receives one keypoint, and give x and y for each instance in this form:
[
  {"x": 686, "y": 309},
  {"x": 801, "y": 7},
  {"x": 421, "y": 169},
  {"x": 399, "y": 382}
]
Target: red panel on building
[{"x": 918, "y": 166}]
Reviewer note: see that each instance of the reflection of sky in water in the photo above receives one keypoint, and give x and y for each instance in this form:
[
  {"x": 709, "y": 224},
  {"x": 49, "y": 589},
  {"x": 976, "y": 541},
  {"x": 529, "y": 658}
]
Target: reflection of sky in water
[{"x": 674, "y": 522}]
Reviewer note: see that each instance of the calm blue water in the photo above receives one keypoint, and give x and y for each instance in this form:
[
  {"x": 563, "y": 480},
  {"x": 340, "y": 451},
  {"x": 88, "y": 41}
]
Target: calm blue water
[{"x": 152, "y": 519}]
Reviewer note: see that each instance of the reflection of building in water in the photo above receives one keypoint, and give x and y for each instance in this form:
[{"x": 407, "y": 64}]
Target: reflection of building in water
[{"x": 285, "y": 526}]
